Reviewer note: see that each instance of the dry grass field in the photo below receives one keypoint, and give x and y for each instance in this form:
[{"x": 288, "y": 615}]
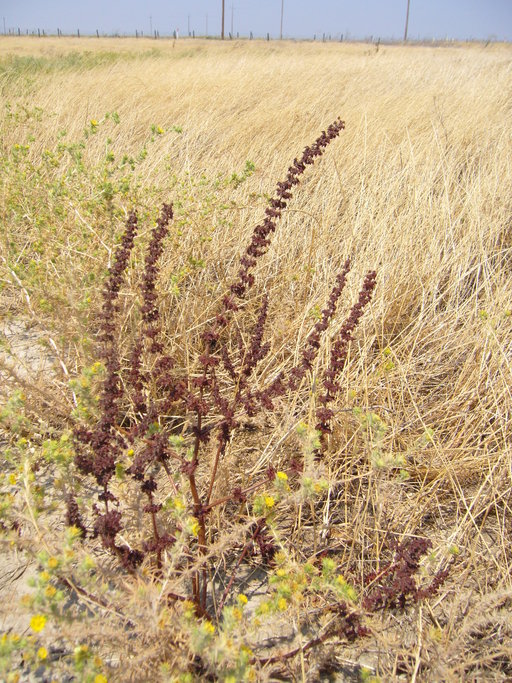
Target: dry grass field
[{"x": 418, "y": 187}]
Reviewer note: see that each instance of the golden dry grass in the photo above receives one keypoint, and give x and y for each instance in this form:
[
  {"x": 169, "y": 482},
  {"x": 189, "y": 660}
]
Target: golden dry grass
[{"x": 417, "y": 187}]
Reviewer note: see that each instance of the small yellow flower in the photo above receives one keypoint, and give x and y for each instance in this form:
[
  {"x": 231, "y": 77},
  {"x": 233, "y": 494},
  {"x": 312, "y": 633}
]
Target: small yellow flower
[
  {"x": 81, "y": 653},
  {"x": 38, "y": 622},
  {"x": 42, "y": 653},
  {"x": 88, "y": 563},
  {"x": 282, "y": 476},
  {"x": 436, "y": 633},
  {"x": 208, "y": 628},
  {"x": 100, "y": 678},
  {"x": 12, "y": 479},
  {"x": 281, "y": 572},
  {"x": 195, "y": 526},
  {"x": 350, "y": 592},
  {"x": 94, "y": 123},
  {"x": 53, "y": 563},
  {"x": 341, "y": 580},
  {"x": 130, "y": 452},
  {"x": 160, "y": 130},
  {"x": 282, "y": 604},
  {"x": 264, "y": 608},
  {"x": 50, "y": 591},
  {"x": 269, "y": 501},
  {"x": 242, "y": 599},
  {"x": 188, "y": 609}
]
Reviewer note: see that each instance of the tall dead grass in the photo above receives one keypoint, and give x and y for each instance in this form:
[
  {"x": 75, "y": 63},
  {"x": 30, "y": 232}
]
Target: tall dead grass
[{"x": 419, "y": 187}]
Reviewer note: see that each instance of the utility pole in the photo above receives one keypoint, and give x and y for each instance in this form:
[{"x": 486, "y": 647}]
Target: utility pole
[
  {"x": 406, "y": 21},
  {"x": 222, "y": 27},
  {"x": 282, "y": 12}
]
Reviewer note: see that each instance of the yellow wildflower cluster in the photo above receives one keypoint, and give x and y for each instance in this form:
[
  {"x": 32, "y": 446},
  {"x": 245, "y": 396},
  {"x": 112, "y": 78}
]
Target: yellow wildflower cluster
[
  {"x": 263, "y": 505},
  {"x": 208, "y": 628},
  {"x": 38, "y": 622},
  {"x": 193, "y": 526}
]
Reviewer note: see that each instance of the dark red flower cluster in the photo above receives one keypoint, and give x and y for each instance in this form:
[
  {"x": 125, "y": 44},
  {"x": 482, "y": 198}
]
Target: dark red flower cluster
[
  {"x": 339, "y": 353},
  {"x": 73, "y": 516},
  {"x": 260, "y": 240},
  {"x": 115, "y": 279},
  {"x": 155, "y": 450},
  {"x": 104, "y": 442},
  {"x": 257, "y": 349},
  {"x": 149, "y": 309},
  {"x": 395, "y": 584},
  {"x": 350, "y": 626},
  {"x": 312, "y": 343},
  {"x": 206, "y": 404},
  {"x": 107, "y": 526},
  {"x": 151, "y": 317},
  {"x": 266, "y": 544},
  {"x": 136, "y": 379},
  {"x": 130, "y": 559}
]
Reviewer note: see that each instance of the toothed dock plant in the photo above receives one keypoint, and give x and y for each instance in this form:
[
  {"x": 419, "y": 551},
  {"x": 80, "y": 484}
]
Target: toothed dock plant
[{"x": 173, "y": 467}]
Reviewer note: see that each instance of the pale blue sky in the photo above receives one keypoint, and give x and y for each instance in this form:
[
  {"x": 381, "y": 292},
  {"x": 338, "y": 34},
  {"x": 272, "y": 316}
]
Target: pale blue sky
[{"x": 459, "y": 19}]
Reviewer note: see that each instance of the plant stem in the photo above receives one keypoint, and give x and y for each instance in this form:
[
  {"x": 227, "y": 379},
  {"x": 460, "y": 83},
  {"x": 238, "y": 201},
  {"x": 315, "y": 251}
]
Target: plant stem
[{"x": 259, "y": 527}]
